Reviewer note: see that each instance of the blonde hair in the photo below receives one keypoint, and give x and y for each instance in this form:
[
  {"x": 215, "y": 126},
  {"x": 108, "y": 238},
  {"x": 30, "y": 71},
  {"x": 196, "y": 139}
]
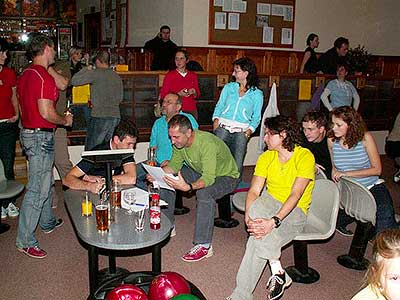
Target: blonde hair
[{"x": 386, "y": 246}]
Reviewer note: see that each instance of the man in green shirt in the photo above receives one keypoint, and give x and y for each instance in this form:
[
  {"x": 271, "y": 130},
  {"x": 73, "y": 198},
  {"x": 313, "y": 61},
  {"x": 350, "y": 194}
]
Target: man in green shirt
[{"x": 205, "y": 165}]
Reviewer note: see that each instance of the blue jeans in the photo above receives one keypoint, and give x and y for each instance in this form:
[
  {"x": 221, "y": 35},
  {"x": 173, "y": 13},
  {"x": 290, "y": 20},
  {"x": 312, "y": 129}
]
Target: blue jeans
[
  {"x": 236, "y": 142},
  {"x": 36, "y": 206},
  {"x": 99, "y": 130},
  {"x": 206, "y": 199}
]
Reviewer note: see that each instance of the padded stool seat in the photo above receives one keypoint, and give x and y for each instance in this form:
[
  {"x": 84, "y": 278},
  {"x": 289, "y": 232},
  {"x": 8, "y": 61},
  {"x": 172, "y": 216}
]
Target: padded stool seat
[{"x": 8, "y": 189}]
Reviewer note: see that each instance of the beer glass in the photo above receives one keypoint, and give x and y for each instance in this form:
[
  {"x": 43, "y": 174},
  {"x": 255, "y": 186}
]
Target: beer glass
[{"x": 102, "y": 216}]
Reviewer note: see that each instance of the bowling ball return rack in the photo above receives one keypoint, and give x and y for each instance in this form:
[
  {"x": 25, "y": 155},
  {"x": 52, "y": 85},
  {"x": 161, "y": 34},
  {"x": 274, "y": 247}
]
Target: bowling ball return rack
[{"x": 140, "y": 279}]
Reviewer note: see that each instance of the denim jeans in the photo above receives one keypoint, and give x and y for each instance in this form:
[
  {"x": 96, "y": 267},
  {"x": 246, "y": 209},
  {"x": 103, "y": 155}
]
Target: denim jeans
[
  {"x": 384, "y": 210},
  {"x": 206, "y": 199},
  {"x": 36, "y": 205},
  {"x": 236, "y": 142},
  {"x": 99, "y": 130},
  {"x": 8, "y": 138}
]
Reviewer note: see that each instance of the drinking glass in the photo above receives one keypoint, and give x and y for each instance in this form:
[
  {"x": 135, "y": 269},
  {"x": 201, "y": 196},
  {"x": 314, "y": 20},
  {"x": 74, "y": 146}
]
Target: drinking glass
[
  {"x": 139, "y": 220},
  {"x": 130, "y": 199}
]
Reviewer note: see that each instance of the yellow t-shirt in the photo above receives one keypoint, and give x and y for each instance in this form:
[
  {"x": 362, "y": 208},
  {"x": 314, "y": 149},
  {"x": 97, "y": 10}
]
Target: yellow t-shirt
[{"x": 280, "y": 177}]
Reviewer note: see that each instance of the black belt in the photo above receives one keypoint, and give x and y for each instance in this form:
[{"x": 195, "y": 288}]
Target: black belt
[{"x": 39, "y": 129}]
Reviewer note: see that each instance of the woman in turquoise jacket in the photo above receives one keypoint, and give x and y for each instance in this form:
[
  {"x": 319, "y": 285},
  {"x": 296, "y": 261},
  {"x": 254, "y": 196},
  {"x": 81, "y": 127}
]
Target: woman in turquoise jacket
[{"x": 238, "y": 111}]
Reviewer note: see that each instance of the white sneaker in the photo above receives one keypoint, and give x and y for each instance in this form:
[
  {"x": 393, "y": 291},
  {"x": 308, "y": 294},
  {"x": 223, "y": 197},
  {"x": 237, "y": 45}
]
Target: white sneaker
[
  {"x": 12, "y": 210},
  {"x": 3, "y": 213}
]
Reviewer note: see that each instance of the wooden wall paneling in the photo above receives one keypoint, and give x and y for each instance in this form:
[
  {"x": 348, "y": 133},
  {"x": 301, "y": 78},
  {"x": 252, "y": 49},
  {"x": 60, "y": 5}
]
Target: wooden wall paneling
[
  {"x": 293, "y": 63},
  {"x": 269, "y": 62},
  {"x": 200, "y": 55},
  {"x": 211, "y": 61},
  {"x": 224, "y": 60},
  {"x": 280, "y": 62},
  {"x": 259, "y": 58}
]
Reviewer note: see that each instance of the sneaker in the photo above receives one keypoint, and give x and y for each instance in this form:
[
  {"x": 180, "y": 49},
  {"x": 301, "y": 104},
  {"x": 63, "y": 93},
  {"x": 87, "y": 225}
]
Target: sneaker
[
  {"x": 59, "y": 223},
  {"x": 34, "y": 252},
  {"x": 197, "y": 253},
  {"x": 344, "y": 231},
  {"x": 12, "y": 210},
  {"x": 3, "y": 213},
  {"x": 277, "y": 284},
  {"x": 173, "y": 232},
  {"x": 396, "y": 176}
]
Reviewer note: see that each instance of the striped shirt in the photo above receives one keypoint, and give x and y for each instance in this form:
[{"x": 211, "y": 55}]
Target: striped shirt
[{"x": 353, "y": 159}]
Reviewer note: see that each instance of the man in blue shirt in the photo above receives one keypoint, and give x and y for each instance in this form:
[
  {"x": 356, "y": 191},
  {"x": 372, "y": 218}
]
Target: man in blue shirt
[{"x": 159, "y": 139}]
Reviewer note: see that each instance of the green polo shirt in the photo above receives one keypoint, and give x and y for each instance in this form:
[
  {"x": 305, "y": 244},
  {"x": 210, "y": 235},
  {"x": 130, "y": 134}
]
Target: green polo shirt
[{"x": 208, "y": 156}]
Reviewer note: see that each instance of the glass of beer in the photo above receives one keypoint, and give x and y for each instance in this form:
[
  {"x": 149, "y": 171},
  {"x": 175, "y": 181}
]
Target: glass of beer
[
  {"x": 116, "y": 194},
  {"x": 102, "y": 216}
]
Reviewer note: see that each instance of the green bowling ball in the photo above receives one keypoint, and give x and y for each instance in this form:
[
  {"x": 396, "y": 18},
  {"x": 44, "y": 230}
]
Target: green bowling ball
[{"x": 185, "y": 297}]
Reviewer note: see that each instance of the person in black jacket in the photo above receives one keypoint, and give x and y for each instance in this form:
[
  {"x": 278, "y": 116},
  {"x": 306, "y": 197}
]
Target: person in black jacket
[
  {"x": 163, "y": 50},
  {"x": 329, "y": 61}
]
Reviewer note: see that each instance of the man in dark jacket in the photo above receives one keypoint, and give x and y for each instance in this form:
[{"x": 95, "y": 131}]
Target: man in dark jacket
[{"x": 329, "y": 61}]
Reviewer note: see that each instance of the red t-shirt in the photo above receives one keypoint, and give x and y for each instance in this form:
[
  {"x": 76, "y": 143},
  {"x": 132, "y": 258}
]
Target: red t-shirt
[
  {"x": 175, "y": 82},
  {"x": 35, "y": 83},
  {"x": 8, "y": 80}
]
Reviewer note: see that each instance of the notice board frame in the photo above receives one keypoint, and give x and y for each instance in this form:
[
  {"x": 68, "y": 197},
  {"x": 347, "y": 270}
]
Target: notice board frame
[{"x": 249, "y": 34}]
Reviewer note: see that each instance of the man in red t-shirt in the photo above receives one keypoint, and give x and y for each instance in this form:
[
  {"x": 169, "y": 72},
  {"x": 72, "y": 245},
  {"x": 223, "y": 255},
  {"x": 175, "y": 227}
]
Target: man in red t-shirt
[{"x": 37, "y": 93}]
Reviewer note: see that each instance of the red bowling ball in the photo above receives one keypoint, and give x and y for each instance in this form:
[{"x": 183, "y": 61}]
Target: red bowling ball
[
  {"x": 126, "y": 292},
  {"x": 167, "y": 285}
]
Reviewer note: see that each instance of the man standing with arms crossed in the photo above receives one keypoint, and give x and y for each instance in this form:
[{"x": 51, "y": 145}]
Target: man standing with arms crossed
[{"x": 38, "y": 93}]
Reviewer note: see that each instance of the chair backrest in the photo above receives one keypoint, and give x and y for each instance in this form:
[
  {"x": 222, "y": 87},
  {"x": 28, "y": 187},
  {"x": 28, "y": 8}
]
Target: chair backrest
[
  {"x": 324, "y": 208},
  {"x": 357, "y": 200},
  {"x": 321, "y": 175},
  {"x": 2, "y": 175}
]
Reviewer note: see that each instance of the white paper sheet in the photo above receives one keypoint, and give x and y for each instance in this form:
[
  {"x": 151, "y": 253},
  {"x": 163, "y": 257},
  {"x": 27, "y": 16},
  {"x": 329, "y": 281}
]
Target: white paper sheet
[
  {"x": 220, "y": 20},
  {"x": 233, "y": 21},
  {"x": 288, "y": 13},
  {"x": 142, "y": 199},
  {"x": 286, "y": 37},
  {"x": 268, "y": 35},
  {"x": 158, "y": 174},
  {"x": 263, "y": 9}
]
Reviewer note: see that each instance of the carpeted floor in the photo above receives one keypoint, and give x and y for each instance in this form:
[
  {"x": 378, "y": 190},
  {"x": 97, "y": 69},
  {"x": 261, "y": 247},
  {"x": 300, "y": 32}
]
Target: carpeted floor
[{"x": 64, "y": 273}]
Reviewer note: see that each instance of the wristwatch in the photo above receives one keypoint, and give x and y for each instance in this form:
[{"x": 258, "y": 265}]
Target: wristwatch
[
  {"x": 278, "y": 221},
  {"x": 190, "y": 188}
]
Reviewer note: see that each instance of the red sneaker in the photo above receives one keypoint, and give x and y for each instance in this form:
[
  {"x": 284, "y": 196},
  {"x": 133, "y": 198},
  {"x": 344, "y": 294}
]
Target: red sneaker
[
  {"x": 34, "y": 252},
  {"x": 197, "y": 253}
]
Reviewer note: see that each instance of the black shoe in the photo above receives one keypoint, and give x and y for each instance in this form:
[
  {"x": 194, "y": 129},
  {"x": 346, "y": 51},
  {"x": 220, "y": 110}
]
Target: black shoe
[
  {"x": 59, "y": 223},
  {"x": 277, "y": 284},
  {"x": 344, "y": 231}
]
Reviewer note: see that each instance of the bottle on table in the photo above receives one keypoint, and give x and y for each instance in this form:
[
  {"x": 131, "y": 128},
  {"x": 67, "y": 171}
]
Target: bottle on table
[
  {"x": 155, "y": 209},
  {"x": 151, "y": 156}
]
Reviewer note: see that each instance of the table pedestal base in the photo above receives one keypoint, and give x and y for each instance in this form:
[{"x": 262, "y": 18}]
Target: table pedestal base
[{"x": 106, "y": 274}]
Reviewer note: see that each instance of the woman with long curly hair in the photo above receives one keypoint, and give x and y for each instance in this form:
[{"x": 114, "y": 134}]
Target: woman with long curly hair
[
  {"x": 354, "y": 154},
  {"x": 275, "y": 218},
  {"x": 383, "y": 275}
]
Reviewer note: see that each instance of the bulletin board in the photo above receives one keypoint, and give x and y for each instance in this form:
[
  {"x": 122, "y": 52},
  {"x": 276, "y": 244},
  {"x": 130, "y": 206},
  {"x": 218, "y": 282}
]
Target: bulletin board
[{"x": 267, "y": 23}]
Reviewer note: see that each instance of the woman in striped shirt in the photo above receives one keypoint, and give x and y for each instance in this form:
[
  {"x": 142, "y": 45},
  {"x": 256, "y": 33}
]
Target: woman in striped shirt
[{"x": 354, "y": 154}]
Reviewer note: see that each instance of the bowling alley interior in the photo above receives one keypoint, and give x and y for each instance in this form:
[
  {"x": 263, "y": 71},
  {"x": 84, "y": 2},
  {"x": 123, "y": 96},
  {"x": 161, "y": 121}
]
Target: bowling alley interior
[{"x": 300, "y": 53}]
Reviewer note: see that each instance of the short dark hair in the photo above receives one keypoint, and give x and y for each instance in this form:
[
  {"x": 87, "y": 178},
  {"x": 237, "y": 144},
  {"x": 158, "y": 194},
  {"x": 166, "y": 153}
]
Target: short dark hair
[
  {"x": 165, "y": 27},
  {"x": 340, "y": 41},
  {"x": 37, "y": 42},
  {"x": 103, "y": 56},
  {"x": 316, "y": 117},
  {"x": 286, "y": 124},
  {"x": 181, "y": 121},
  {"x": 125, "y": 128},
  {"x": 246, "y": 64},
  {"x": 4, "y": 46},
  {"x": 344, "y": 65},
  {"x": 185, "y": 53},
  {"x": 310, "y": 38}
]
